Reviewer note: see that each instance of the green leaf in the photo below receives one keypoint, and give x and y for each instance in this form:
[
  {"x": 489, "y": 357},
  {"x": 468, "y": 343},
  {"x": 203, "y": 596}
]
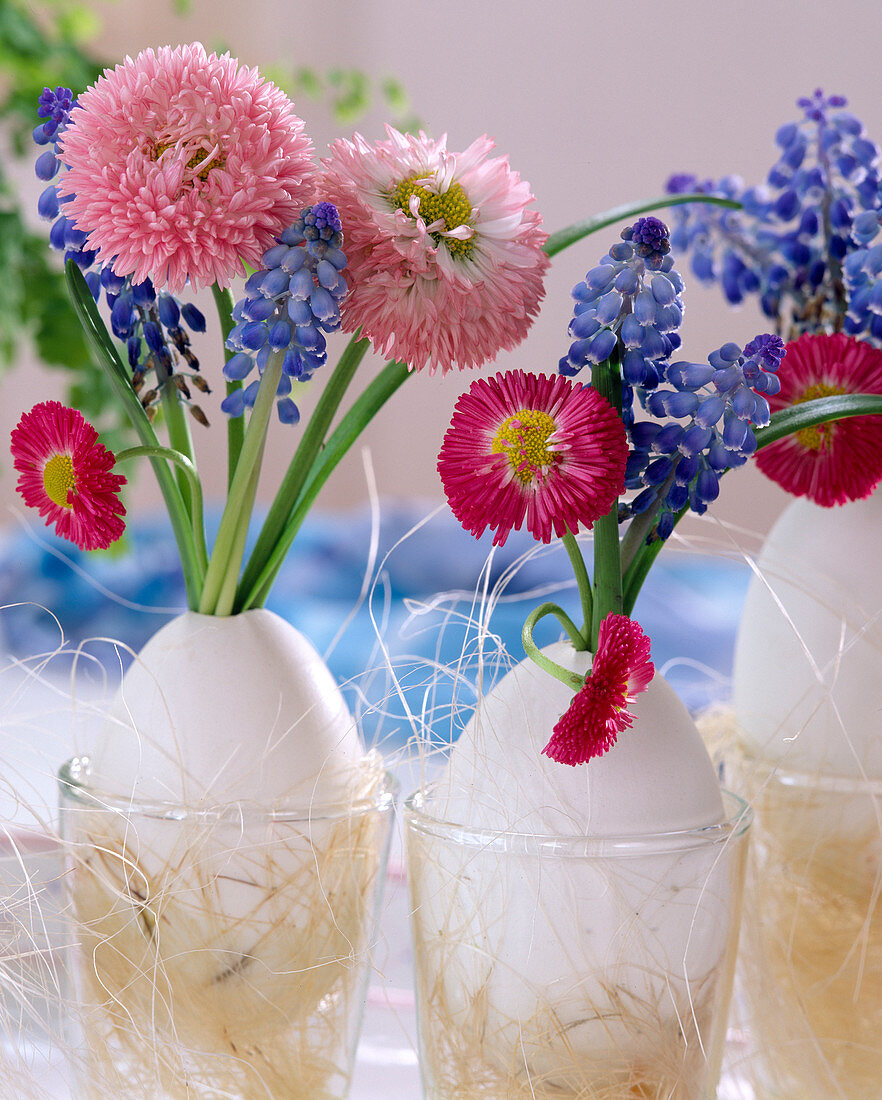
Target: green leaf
[{"x": 557, "y": 242}]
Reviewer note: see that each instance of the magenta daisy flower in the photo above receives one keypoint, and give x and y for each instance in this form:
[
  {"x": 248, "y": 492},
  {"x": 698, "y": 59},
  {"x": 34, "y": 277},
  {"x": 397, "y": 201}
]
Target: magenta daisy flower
[
  {"x": 524, "y": 448},
  {"x": 445, "y": 259},
  {"x": 842, "y": 459},
  {"x": 65, "y": 473},
  {"x": 182, "y": 165},
  {"x": 598, "y": 712}
]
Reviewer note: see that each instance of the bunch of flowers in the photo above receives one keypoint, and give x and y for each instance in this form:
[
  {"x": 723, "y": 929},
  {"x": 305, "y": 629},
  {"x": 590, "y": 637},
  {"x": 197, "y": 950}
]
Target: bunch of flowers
[
  {"x": 806, "y": 244},
  {"x": 182, "y": 169},
  {"x": 519, "y": 451}
]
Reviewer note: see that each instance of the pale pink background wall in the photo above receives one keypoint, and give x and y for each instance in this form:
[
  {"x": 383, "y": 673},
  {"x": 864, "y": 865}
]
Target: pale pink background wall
[{"x": 595, "y": 104}]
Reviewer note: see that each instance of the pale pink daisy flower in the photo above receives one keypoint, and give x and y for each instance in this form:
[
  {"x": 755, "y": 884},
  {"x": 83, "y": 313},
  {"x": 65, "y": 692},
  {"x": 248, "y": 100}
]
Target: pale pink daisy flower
[
  {"x": 182, "y": 165},
  {"x": 841, "y": 460},
  {"x": 445, "y": 257},
  {"x": 523, "y": 448},
  {"x": 66, "y": 473},
  {"x": 599, "y": 711}
]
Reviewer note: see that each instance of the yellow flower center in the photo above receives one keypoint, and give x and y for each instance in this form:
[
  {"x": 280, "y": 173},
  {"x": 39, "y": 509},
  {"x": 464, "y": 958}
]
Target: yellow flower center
[
  {"x": 453, "y": 208},
  {"x": 204, "y": 157},
  {"x": 817, "y": 437},
  {"x": 59, "y": 479},
  {"x": 523, "y": 439}
]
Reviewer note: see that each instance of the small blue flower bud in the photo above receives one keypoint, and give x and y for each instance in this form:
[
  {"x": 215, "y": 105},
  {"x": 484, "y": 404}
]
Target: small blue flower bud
[
  {"x": 238, "y": 366},
  {"x": 608, "y": 307},
  {"x": 288, "y": 411},
  {"x": 133, "y": 347},
  {"x": 169, "y": 311},
  {"x": 322, "y": 304},
  {"x": 601, "y": 346},
  {"x": 280, "y": 335},
  {"x": 695, "y": 439},
  {"x": 583, "y": 325},
  {"x": 599, "y": 278},
  {"x": 253, "y": 335},
  {"x": 301, "y": 283},
  {"x": 299, "y": 311},
  {"x": 258, "y": 309},
  {"x": 234, "y": 404},
  {"x": 143, "y": 294},
  {"x": 47, "y": 204},
  {"x": 153, "y": 336},
  {"x": 274, "y": 256},
  {"x": 46, "y": 165},
  {"x": 709, "y": 411}
]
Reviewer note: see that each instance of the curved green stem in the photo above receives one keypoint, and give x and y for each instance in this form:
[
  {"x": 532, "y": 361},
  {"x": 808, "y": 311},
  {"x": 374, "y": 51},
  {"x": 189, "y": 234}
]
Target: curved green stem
[
  {"x": 120, "y": 381},
  {"x": 563, "y": 238},
  {"x": 223, "y": 301},
  {"x": 229, "y": 545},
  {"x": 195, "y": 486},
  {"x": 583, "y": 581},
  {"x": 571, "y": 679},
  {"x": 809, "y": 414}
]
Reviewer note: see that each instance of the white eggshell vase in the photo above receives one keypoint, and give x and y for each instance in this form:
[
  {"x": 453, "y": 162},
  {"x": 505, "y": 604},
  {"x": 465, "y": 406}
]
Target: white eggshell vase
[
  {"x": 807, "y": 698},
  {"x": 575, "y": 927},
  {"x": 227, "y": 838}
]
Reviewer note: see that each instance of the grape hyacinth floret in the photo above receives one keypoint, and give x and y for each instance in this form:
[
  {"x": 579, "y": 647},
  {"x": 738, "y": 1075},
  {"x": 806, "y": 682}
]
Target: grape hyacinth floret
[
  {"x": 804, "y": 242},
  {"x": 153, "y": 327},
  {"x": 677, "y": 465},
  {"x": 288, "y": 307},
  {"x": 629, "y": 307}
]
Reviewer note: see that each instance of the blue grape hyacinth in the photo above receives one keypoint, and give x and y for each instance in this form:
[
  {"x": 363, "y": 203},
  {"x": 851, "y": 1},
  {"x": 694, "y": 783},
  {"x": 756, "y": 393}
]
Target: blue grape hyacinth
[
  {"x": 629, "y": 306},
  {"x": 288, "y": 307},
  {"x": 804, "y": 241},
  {"x": 720, "y": 402},
  {"x": 153, "y": 327}
]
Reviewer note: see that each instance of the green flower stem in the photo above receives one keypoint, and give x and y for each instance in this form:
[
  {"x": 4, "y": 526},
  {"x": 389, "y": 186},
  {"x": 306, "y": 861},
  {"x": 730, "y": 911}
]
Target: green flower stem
[
  {"x": 394, "y": 374},
  {"x": 183, "y": 463},
  {"x": 300, "y": 468},
  {"x": 582, "y": 580},
  {"x": 223, "y": 300},
  {"x": 120, "y": 381},
  {"x": 641, "y": 525},
  {"x": 808, "y": 414},
  {"x": 563, "y": 238},
  {"x": 607, "y": 554},
  {"x": 784, "y": 422},
  {"x": 226, "y": 556},
  {"x": 179, "y": 440},
  {"x": 571, "y": 679}
]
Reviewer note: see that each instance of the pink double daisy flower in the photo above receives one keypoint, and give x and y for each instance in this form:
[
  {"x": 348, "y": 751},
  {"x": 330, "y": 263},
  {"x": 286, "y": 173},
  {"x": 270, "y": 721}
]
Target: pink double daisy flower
[
  {"x": 599, "y": 711},
  {"x": 841, "y": 460},
  {"x": 65, "y": 472},
  {"x": 445, "y": 257},
  {"x": 182, "y": 165},
  {"x": 525, "y": 449}
]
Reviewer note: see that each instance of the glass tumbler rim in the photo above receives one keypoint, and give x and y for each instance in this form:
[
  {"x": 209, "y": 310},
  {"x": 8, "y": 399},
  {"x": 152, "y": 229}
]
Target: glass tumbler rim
[
  {"x": 736, "y": 823},
  {"x": 73, "y": 783}
]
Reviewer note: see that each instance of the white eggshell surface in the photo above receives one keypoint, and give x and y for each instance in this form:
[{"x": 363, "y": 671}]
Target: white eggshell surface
[
  {"x": 658, "y": 777},
  {"x": 807, "y": 681},
  {"x": 240, "y": 708}
]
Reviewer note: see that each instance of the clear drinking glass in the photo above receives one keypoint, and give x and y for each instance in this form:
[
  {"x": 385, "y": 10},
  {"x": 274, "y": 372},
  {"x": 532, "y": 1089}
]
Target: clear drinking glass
[
  {"x": 811, "y": 960},
  {"x": 223, "y": 952},
  {"x": 573, "y": 967}
]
